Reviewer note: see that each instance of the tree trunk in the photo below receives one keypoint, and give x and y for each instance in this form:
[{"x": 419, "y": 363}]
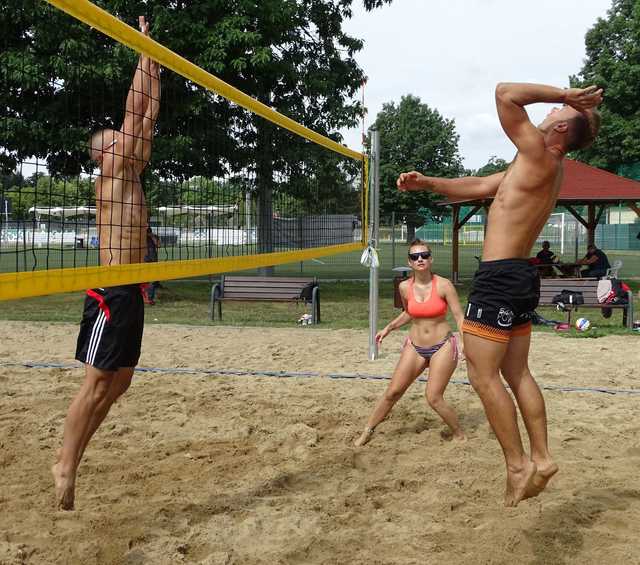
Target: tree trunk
[
  {"x": 411, "y": 230},
  {"x": 264, "y": 186}
]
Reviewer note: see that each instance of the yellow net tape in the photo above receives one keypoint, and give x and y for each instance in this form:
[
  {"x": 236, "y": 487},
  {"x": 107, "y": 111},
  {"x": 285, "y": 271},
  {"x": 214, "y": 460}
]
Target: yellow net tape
[{"x": 38, "y": 283}]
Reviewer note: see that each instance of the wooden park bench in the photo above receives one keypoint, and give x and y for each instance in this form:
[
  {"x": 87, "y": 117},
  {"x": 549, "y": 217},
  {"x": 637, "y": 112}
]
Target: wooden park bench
[
  {"x": 588, "y": 287},
  {"x": 266, "y": 289}
]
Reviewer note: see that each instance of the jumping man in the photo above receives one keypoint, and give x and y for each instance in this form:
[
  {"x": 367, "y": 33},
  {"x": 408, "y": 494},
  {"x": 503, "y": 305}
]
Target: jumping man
[
  {"x": 113, "y": 318},
  {"x": 506, "y": 289}
]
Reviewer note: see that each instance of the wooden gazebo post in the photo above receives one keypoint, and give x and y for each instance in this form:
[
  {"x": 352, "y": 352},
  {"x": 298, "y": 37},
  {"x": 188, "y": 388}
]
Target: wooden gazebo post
[
  {"x": 455, "y": 243},
  {"x": 591, "y": 230},
  {"x": 457, "y": 223},
  {"x": 591, "y": 223}
]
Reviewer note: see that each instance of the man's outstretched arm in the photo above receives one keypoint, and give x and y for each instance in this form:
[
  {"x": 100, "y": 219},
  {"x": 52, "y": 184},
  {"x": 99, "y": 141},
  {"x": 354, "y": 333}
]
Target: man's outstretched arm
[
  {"x": 467, "y": 188},
  {"x": 137, "y": 102},
  {"x": 512, "y": 97},
  {"x": 145, "y": 141}
]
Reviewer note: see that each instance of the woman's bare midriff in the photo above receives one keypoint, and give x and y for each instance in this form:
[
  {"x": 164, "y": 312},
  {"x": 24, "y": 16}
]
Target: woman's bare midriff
[{"x": 426, "y": 332}]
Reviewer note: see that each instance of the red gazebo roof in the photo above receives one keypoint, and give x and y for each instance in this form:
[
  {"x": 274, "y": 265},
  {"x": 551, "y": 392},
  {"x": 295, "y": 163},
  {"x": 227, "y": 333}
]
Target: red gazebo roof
[{"x": 584, "y": 183}]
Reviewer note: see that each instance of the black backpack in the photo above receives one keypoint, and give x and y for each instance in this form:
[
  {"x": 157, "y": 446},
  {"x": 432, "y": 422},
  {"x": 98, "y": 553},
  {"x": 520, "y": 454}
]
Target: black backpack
[{"x": 568, "y": 299}]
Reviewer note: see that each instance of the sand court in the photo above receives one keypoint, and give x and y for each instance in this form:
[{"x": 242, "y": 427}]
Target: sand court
[{"x": 202, "y": 468}]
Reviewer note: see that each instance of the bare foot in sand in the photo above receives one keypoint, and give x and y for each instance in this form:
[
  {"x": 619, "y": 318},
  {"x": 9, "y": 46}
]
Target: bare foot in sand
[
  {"x": 545, "y": 470},
  {"x": 364, "y": 438},
  {"x": 458, "y": 435},
  {"x": 65, "y": 488},
  {"x": 518, "y": 483},
  {"x": 450, "y": 435}
]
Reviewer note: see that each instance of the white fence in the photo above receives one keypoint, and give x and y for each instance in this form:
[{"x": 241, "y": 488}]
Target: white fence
[
  {"x": 172, "y": 236},
  {"x": 36, "y": 238}
]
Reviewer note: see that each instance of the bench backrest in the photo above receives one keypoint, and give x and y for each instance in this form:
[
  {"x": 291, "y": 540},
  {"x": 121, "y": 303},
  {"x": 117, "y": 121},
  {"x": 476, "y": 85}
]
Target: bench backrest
[
  {"x": 551, "y": 287},
  {"x": 263, "y": 288}
]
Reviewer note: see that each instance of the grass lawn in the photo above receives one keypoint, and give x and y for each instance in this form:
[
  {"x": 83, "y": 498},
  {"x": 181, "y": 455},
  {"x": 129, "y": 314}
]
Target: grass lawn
[{"x": 344, "y": 305}]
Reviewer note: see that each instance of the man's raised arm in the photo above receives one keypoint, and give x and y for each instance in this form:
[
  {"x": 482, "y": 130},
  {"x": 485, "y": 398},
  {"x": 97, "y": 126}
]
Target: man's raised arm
[
  {"x": 137, "y": 101},
  {"x": 467, "y": 188},
  {"x": 145, "y": 141},
  {"x": 512, "y": 97}
]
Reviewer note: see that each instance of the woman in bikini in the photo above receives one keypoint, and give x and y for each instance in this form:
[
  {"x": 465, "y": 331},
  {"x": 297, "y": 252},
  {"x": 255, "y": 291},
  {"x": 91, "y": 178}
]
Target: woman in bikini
[{"x": 431, "y": 344}]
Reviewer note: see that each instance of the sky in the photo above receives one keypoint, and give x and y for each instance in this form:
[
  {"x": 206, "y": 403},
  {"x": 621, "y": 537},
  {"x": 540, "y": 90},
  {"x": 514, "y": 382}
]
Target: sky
[{"x": 452, "y": 53}]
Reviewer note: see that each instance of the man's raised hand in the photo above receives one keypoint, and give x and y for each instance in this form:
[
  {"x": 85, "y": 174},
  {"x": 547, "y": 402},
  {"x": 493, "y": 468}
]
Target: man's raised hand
[
  {"x": 143, "y": 24},
  {"x": 154, "y": 66},
  {"x": 583, "y": 98},
  {"x": 411, "y": 181}
]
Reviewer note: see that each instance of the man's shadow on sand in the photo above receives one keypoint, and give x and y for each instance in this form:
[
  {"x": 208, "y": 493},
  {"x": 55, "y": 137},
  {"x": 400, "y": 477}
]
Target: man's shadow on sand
[{"x": 560, "y": 534}]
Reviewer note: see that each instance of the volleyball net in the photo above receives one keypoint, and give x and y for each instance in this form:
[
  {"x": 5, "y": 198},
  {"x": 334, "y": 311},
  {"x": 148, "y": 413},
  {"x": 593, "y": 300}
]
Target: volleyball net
[{"x": 226, "y": 182}]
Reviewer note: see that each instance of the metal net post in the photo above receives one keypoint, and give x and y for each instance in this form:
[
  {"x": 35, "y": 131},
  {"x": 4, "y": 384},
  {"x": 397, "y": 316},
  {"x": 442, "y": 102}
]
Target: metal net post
[{"x": 374, "y": 223}]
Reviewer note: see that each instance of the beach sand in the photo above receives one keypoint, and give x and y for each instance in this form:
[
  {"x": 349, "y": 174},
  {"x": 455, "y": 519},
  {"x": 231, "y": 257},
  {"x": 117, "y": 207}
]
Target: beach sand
[{"x": 202, "y": 468}]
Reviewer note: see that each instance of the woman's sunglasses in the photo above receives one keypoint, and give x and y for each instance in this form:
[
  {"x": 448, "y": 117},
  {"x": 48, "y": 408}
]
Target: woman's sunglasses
[{"x": 422, "y": 254}]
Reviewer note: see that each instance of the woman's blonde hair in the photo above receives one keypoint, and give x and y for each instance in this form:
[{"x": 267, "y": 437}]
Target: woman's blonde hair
[{"x": 418, "y": 241}]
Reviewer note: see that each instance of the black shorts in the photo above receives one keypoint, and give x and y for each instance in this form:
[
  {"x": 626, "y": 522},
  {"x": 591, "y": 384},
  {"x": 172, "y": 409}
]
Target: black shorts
[
  {"x": 111, "y": 328},
  {"x": 503, "y": 297}
]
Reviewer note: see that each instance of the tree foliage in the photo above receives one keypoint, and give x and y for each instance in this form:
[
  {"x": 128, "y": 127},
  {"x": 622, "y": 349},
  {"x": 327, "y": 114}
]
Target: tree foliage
[
  {"x": 494, "y": 165},
  {"x": 613, "y": 63},
  {"x": 61, "y": 80},
  {"x": 43, "y": 190},
  {"x": 414, "y": 136}
]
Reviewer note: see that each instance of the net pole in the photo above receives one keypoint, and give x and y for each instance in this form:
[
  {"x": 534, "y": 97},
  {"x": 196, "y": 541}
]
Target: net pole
[{"x": 374, "y": 221}]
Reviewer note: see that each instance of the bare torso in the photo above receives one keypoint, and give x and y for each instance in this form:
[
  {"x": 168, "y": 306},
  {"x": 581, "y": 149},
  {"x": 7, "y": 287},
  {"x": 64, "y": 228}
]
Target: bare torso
[
  {"x": 425, "y": 332},
  {"x": 525, "y": 198},
  {"x": 121, "y": 213}
]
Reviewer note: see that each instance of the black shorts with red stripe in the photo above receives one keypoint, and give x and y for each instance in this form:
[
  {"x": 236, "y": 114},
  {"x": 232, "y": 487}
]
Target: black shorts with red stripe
[
  {"x": 503, "y": 298},
  {"x": 111, "y": 328}
]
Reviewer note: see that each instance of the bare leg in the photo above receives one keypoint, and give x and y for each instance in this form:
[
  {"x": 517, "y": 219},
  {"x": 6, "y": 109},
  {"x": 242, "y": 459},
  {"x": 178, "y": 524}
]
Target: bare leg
[
  {"x": 119, "y": 385},
  {"x": 515, "y": 370},
  {"x": 441, "y": 368},
  {"x": 484, "y": 357},
  {"x": 93, "y": 391},
  {"x": 407, "y": 370}
]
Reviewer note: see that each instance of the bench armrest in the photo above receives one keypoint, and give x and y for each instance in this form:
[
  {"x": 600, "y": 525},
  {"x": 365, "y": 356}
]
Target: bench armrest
[{"x": 216, "y": 297}]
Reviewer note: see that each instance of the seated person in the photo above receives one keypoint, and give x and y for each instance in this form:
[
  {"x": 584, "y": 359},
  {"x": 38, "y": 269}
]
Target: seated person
[
  {"x": 597, "y": 262},
  {"x": 546, "y": 257}
]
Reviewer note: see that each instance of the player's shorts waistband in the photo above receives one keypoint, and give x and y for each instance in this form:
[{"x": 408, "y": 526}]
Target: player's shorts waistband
[
  {"x": 515, "y": 262},
  {"x": 131, "y": 288}
]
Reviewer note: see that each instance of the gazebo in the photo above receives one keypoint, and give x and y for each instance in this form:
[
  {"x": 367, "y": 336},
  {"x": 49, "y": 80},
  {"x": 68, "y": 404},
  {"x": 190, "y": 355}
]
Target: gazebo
[{"x": 582, "y": 185}]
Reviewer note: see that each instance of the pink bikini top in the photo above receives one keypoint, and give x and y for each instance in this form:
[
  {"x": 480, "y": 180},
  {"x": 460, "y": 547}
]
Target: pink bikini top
[{"x": 435, "y": 307}]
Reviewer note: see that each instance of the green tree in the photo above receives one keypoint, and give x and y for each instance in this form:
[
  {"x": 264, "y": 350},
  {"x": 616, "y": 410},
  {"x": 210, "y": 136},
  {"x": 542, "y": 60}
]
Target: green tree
[
  {"x": 613, "y": 63},
  {"x": 414, "y": 137},
  {"x": 494, "y": 165},
  {"x": 62, "y": 80},
  {"x": 44, "y": 191}
]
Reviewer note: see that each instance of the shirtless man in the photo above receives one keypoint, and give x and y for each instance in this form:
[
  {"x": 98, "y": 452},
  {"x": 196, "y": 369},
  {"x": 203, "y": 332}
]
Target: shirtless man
[
  {"x": 113, "y": 318},
  {"x": 506, "y": 290}
]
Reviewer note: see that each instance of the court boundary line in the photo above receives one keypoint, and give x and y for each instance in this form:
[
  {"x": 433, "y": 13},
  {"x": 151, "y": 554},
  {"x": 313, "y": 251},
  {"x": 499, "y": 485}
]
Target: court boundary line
[{"x": 304, "y": 374}]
